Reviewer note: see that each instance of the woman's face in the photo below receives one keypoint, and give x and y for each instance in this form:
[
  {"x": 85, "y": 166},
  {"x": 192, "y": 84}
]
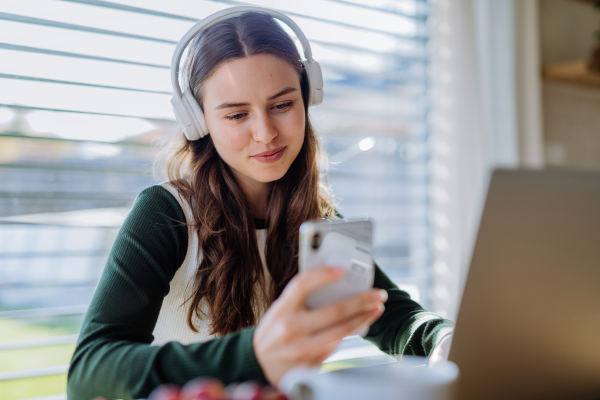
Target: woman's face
[{"x": 255, "y": 115}]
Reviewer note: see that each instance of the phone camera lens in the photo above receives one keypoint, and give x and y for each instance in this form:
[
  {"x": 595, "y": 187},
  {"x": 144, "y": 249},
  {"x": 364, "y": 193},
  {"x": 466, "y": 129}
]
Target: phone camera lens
[{"x": 316, "y": 241}]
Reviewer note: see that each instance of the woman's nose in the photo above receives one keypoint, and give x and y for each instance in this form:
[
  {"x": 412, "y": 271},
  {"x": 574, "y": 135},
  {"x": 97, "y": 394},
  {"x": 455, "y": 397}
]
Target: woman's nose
[{"x": 264, "y": 129}]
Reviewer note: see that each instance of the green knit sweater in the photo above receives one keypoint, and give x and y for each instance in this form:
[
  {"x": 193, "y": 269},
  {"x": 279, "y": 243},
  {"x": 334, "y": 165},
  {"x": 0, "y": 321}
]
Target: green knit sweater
[{"x": 113, "y": 357}]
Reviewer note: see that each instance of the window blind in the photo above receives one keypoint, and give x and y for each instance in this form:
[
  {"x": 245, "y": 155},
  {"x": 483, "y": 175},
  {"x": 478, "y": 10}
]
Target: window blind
[{"x": 85, "y": 87}]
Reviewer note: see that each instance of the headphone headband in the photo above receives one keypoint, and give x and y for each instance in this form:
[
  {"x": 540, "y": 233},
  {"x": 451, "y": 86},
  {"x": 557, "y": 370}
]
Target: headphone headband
[
  {"x": 187, "y": 111},
  {"x": 222, "y": 15}
]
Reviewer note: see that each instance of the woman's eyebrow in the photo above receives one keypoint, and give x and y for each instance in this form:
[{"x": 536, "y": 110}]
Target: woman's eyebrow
[
  {"x": 228, "y": 105},
  {"x": 276, "y": 95},
  {"x": 281, "y": 93}
]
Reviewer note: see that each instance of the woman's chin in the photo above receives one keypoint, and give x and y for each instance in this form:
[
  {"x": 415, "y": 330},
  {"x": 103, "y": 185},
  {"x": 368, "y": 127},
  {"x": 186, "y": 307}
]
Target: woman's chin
[{"x": 270, "y": 176}]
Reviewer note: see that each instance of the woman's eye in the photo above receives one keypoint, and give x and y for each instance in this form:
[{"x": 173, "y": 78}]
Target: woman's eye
[
  {"x": 283, "y": 106},
  {"x": 235, "y": 117}
]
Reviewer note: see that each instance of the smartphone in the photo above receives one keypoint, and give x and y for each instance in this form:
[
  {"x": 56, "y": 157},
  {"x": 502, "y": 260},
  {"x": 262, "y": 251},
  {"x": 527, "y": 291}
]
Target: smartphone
[{"x": 337, "y": 243}]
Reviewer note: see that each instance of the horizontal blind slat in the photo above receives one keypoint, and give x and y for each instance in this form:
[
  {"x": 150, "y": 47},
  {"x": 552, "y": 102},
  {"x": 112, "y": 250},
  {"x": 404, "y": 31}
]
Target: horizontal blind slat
[
  {"x": 45, "y": 80},
  {"x": 86, "y": 43},
  {"x": 76, "y": 27},
  {"x": 84, "y": 71},
  {"x": 346, "y": 15},
  {"x": 85, "y": 99}
]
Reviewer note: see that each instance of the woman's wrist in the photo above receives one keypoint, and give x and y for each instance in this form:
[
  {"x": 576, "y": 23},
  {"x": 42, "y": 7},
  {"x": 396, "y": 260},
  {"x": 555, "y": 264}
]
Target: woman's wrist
[{"x": 441, "y": 351}]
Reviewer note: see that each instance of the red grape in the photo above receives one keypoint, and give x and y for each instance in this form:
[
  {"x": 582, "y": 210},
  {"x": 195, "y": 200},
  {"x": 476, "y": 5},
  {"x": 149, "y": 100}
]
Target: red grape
[
  {"x": 165, "y": 392},
  {"x": 203, "y": 389},
  {"x": 270, "y": 393},
  {"x": 246, "y": 391}
]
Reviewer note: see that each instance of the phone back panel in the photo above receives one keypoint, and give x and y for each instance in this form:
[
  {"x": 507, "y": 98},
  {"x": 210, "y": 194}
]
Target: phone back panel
[{"x": 338, "y": 243}]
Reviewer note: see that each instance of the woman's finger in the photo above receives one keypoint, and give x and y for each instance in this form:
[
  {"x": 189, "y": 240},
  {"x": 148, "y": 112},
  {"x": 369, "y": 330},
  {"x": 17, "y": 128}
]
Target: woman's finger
[
  {"x": 296, "y": 292},
  {"x": 332, "y": 335},
  {"x": 316, "y": 349},
  {"x": 342, "y": 310},
  {"x": 322, "y": 356}
]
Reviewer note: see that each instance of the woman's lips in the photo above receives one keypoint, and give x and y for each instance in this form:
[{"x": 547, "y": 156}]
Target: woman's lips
[{"x": 270, "y": 156}]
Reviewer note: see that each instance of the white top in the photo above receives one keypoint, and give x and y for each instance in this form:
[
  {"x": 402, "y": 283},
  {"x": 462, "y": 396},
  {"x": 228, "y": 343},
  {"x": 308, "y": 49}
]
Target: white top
[{"x": 171, "y": 325}]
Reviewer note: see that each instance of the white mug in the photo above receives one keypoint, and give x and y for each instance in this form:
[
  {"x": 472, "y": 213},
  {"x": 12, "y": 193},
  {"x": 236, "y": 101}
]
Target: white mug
[{"x": 407, "y": 379}]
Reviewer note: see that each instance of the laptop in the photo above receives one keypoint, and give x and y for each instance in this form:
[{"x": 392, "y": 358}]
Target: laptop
[{"x": 529, "y": 321}]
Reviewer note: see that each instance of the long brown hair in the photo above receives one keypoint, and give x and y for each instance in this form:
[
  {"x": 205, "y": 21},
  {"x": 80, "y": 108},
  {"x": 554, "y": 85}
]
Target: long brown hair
[{"x": 231, "y": 269}]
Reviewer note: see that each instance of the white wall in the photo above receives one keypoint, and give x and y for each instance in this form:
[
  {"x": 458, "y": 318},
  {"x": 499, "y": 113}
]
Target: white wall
[
  {"x": 571, "y": 113},
  {"x": 566, "y": 29}
]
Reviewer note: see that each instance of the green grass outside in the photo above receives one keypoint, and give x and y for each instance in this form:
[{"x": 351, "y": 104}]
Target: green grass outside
[
  {"x": 33, "y": 387},
  {"x": 36, "y": 357},
  {"x": 21, "y": 329}
]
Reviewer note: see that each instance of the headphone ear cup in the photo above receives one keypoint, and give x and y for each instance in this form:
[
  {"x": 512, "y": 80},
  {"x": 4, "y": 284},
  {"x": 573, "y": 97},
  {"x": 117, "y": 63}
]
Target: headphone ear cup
[
  {"x": 182, "y": 116},
  {"x": 189, "y": 115},
  {"x": 315, "y": 82},
  {"x": 196, "y": 114}
]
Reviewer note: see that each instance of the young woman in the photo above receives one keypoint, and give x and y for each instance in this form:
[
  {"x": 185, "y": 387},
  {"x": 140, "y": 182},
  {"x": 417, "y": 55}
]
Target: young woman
[{"x": 203, "y": 277}]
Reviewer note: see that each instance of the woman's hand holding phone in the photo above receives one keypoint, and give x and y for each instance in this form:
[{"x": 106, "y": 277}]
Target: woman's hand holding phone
[{"x": 290, "y": 335}]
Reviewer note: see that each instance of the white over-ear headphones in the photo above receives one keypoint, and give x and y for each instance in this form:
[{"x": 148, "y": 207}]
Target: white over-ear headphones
[{"x": 186, "y": 108}]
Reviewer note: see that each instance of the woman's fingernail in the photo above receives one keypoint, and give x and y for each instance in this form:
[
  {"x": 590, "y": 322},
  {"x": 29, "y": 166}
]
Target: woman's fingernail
[
  {"x": 338, "y": 271},
  {"x": 384, "y": 295}
]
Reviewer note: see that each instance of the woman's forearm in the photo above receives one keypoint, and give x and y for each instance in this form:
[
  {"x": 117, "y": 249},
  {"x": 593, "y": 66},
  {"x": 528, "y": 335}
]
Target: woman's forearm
[
  {"x": 405, "y": 327},
  {"x": 130, "y": 370}
]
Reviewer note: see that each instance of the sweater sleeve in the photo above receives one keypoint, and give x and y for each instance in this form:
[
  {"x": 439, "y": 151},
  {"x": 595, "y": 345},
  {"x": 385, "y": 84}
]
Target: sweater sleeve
[
  {"x": 113, "y": 357},
  {"x": 405, "y": 327}
]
